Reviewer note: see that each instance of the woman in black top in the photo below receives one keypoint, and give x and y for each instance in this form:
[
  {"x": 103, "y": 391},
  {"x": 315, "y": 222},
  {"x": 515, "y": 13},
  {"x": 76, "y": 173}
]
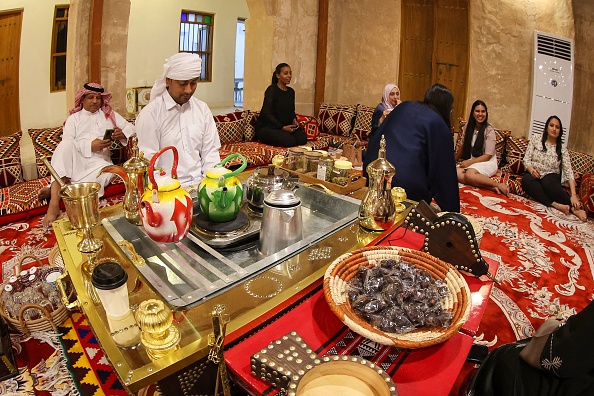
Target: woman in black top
[{"x": 277, "y": 124}]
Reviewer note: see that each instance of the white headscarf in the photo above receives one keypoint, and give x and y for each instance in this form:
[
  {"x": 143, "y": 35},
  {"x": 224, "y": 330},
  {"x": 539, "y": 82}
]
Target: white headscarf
[
  {"x": 182, "y": 67},
  {"x": 386, "y": 96}
]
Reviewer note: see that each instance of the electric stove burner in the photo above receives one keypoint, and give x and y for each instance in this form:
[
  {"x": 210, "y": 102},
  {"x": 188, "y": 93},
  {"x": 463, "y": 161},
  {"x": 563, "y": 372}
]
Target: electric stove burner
[
  {"x": 239, "y": 224},
  {"x": 255, "y": 209},
  {"x": 245, "y": 228}
]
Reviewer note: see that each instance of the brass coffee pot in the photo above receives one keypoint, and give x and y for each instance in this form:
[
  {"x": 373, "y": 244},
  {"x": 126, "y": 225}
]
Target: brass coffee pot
[
  {"x": 377, "y": 210},
  {"x": 134, "y": 174}
]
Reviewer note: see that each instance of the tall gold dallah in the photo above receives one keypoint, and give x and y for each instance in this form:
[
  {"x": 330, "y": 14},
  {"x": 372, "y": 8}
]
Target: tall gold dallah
[{"x": 377, "y": 210}]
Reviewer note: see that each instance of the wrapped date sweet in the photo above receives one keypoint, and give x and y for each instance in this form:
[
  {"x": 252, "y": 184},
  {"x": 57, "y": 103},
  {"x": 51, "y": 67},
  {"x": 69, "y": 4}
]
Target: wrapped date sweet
[{"x": 397, "y": 297}]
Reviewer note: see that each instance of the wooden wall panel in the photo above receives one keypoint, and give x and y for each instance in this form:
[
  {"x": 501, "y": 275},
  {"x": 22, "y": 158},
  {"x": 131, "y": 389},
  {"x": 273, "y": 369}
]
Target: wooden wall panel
[{"x": 10, "y": 37}]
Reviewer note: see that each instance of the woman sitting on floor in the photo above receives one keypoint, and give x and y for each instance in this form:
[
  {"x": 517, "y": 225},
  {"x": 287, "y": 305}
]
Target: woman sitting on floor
[
  {"x": 476, "y": 157},
  {"x": 277, "y": 124},
  {"x": 548, "y": 168}
]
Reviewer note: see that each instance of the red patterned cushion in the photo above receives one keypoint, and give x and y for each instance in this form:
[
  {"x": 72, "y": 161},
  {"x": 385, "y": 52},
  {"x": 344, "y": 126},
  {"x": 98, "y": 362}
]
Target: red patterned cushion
[
  {"x": 251, "y": 117},
  {"x": 501, "y": 136},
  {"x": 21, "y": 197},
  {"x": 363, "y": 118},
  {"x": 311, "y": 126},
  {"x": 45, "y": 141},
  {"x": 586, "y": 192},
  {"x": 515, "y": 148},
  {"x": 230, "y": 127},
  {"x": 511, "y": 180},
  {"x": 336, "y": 119},
  {"x": 256, "y": 154},
  {"x": 581, "y": 164},
  {"x": 11, "y": 171}
]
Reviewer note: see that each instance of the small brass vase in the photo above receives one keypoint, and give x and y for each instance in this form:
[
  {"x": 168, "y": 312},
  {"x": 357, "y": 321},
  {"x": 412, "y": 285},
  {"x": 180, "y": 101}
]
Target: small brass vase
[{"x": 158, "y": 335}]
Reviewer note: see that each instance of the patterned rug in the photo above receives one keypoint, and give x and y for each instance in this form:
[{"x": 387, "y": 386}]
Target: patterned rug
[
  {"x": 546, "y": 266},
  {"x": 546, "y": 262}
]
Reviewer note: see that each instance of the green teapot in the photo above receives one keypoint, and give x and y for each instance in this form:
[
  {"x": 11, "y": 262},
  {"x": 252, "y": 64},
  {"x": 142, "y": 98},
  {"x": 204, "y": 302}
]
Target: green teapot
[{"x": 220, "y": 193}]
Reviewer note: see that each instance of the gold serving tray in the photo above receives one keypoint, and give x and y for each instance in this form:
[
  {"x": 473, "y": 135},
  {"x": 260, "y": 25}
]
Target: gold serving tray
[
  {"x": 356, "y": 181},
  {"x": 244, "y": 302}
]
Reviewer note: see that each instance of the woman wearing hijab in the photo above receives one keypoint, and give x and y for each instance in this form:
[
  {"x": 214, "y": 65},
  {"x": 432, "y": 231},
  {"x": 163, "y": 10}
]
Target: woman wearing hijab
[
  {"x": 390, "y": 99},
  {"x": 476, "y": 157},
  {"x": 277, "y": 124},
  {"x": 419, "y": 144}
]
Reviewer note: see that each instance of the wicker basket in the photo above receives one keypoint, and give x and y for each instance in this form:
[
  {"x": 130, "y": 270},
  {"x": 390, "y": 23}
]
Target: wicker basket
[
  {"x": 49, "y": 320},
  {"x": 346, "y": 267}
]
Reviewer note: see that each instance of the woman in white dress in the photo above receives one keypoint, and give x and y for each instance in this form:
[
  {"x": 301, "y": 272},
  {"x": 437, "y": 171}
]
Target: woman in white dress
[{"x": 476, "y": 159}]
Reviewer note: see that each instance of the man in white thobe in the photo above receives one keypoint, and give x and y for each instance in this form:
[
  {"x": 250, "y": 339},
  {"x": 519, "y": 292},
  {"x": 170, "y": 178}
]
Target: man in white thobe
[
  {"x": 83, "y": 151},
  {"x": 174, "y": 117}
]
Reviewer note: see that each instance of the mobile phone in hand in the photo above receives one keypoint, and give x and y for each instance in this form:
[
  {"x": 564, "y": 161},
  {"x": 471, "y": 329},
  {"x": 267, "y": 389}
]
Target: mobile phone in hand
[{"x": 107, "y": 135}]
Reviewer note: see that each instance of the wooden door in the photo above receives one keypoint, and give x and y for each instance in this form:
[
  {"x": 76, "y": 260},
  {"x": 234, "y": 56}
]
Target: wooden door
[
  {"x": 450, "y": 60},
  {"x": 416, "y": 49},
  {"x": 434, "y": 49},
  {"x": 10, "y": 37}
]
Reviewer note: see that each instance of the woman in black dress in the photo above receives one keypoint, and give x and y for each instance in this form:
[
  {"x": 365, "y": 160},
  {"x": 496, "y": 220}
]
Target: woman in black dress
[
  {"x": 557, "y": 361},
  {"x": 277, "y": 124}
]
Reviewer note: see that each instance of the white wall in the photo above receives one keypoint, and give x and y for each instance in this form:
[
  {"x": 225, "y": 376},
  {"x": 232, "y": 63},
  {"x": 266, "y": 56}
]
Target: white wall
[
  {"x": 39, "y": 107},
  {"x": 153, "y": 36}
]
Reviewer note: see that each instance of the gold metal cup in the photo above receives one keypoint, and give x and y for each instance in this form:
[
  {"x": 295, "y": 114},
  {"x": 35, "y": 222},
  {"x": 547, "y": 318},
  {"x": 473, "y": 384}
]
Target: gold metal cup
[
  {"x": 82, "y": 207},
  {"x": 398, "y": 195}
]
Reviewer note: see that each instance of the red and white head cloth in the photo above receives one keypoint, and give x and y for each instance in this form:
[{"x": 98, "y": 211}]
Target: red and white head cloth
[
  {"x": 105, "y": 98},
  {"x": 183, "y": 67}
]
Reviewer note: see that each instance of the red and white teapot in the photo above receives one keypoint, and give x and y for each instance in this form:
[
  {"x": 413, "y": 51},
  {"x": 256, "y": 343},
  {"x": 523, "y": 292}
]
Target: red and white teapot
[{"x": 166, "y": 208}]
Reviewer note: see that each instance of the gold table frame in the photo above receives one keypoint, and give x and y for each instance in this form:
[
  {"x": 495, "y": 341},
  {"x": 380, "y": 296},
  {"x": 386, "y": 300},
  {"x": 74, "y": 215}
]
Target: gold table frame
[{"x": 133, "y": 366}]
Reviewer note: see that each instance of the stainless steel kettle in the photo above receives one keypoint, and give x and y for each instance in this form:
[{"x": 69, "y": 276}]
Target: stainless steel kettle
[{"x": 282, "y": 224}]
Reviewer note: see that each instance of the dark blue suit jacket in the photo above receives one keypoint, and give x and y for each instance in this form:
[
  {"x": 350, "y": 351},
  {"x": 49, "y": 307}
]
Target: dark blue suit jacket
[{"x": 420, "y": 145}]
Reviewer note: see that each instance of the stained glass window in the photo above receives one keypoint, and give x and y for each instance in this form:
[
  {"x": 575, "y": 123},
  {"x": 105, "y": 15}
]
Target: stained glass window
[{"x": 195, "y": 36}]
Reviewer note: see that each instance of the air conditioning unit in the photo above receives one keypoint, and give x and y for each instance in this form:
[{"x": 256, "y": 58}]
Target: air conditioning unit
[{"x": 552, "y": 82}]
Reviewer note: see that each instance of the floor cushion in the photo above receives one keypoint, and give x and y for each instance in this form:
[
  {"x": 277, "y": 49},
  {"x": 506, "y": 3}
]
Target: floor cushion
[
  {"x": 336, "y": 119},
  {"x": 511, "y": 180},
  {"x": 230, "y": 127},
  {"x": 363, "y": 116},
  {"x": 256, "y": 154},
  {"x": 249, "y": 132},
  {"x": 581, "y": 164},
  {"x": 11, "y": 171},
  {"x": 310, "y": 125},
  {"x": 586, "y": 192},
  {"x": 45, "y": 141},
  {"x": 515, "y": 148},
  {"x": 19, "y": 201}
]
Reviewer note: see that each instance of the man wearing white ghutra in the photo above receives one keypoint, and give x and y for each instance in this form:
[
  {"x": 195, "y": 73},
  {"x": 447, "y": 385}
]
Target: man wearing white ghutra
[{"x": 174, "y": 117}]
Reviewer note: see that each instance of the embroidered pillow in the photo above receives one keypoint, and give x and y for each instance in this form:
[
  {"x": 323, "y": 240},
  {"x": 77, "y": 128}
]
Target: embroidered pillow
[
  {"x": 250, "y": 125},
  {"x": 581, "y": 164},
  {"x": 45, "y": 141},
  {"x": 501, "y": 137},
  {"x": 515, "y": 148},
  {"x": 11, "y": 171},
  {"x": 230, "y": 127},
  {"x": 311, "y": 126},
  {"x": 336, "y": 119},
  {"x": 363, "y": 118}
]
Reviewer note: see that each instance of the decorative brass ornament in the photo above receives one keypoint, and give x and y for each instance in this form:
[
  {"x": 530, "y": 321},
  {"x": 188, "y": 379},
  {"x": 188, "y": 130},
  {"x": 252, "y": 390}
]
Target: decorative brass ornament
[
  {"x": 377, "y": 210},
  {"x": 159, "y": 335}
]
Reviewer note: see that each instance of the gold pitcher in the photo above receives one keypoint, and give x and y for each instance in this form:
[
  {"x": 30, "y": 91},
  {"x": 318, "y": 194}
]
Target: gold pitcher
[
  {"x": 134, "y": 175},
  {"x": 377, "y": 210}
]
